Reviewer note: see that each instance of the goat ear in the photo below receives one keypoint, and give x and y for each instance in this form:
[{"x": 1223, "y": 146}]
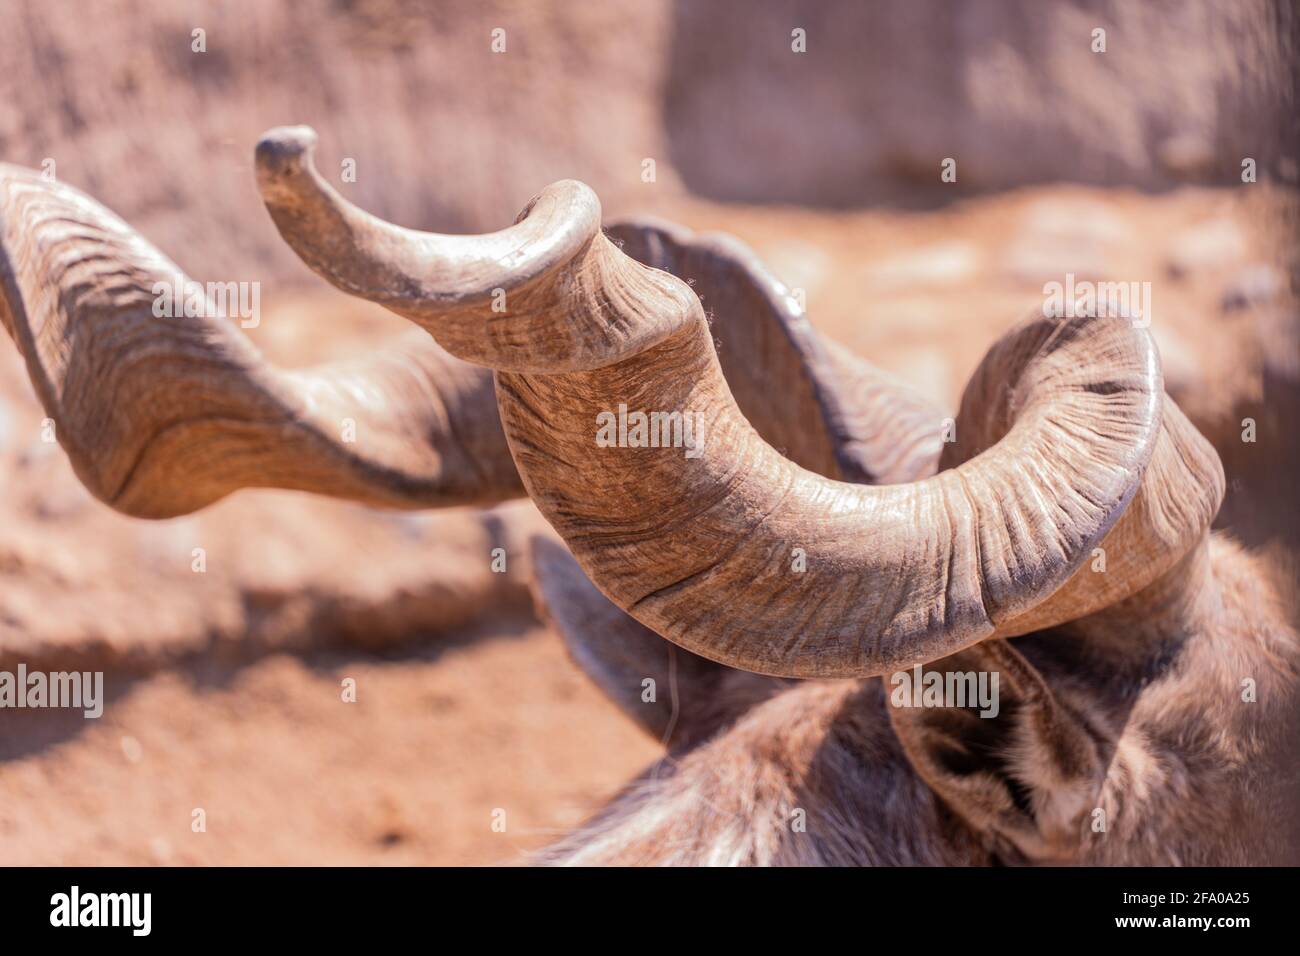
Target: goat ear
[
  {"x": 669, "y": 692},
  {"x": 1023, "y": 771}
]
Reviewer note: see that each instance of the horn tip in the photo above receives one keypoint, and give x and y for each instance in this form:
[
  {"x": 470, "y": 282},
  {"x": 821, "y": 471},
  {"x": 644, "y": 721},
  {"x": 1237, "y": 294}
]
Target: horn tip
[{"x": 284, "y": 151}]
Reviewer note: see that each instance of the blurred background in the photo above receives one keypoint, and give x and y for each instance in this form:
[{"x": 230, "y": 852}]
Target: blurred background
[{"x": 1117, "y": 164}]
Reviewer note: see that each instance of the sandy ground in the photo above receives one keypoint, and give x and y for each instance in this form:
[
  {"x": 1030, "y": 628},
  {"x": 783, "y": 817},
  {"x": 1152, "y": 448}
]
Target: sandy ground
[{"x": 440, "y": 737}]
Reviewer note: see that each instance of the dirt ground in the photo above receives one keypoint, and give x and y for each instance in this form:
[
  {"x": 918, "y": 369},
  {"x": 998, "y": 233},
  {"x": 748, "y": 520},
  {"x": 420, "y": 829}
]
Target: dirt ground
[{"x": 441, "y": 735}]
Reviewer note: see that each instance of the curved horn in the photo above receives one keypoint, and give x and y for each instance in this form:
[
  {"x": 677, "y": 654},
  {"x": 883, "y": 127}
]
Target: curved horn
[
  {"x": 161, "y": 416},
  {"x": 489, "y": 297},
  {"x": 704, "y": 550},
  {"x": 699, "y": 546},
  {"x": 833, "y": 413}
]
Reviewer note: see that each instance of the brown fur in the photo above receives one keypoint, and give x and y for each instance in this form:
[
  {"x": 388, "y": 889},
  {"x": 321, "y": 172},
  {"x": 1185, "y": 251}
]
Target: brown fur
[{"x": 1191, "y": 774}]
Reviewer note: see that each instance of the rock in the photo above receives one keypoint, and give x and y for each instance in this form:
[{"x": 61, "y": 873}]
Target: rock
[
  {"x": 1187, "y": 155},
  {"x": 1064, "y": 236},
  {"x": 1214, "y": 244},
  {"x": 1256, "y": 284},
  {"x": 1037, "y": 260},
  {"x": 132, "y": 749},
  {"x": 797, "y": 263},
  {"x": 939, "y": 264},
  {"x": 1075, "y": 219},
  {"x": 1012, "y": 91}
]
